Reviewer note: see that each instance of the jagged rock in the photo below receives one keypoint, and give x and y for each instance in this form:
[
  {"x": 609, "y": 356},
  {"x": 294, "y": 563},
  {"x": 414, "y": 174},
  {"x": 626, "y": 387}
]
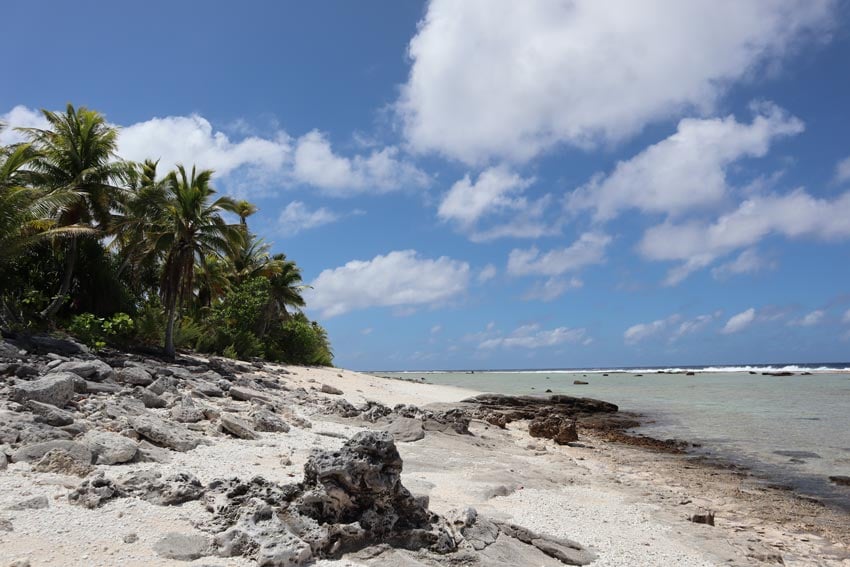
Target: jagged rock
[
  {"x": 170, "y": 491},
  {"x": 26, "y": 371},
  {"x": 148, "y": 453},
  {"x": 375, "y": 411},
  {"x": 32, "y": 453},
  {"x": 208, "y": 389},
  {"x": 50, "y": 414},
  {"x": 264, "y": 420},
  {"x": 498, "y": 419},
  {"x": 8, "y": 350},
  {"x": 327, "y": 389},
  {"x": 559, "y": 428},
  {"x": 564, "y": 550},
  {"x": 185, "y": 411},
  {"x": 840, "y": 480},
  {"x": 163, "y": 384},
  {"x": 131, "y": 537},
  {"x": 35, "y": 503},
  {"x": 406, "y": 429},
  {"x": 44, "y": 344},
  {"x": 110, "y": 448},
  {"x": 244, "y": 394},
  {"x": 163, "y": 433},
  {"x": 53, "y": 389},
  {"x": 148, "y": 398},
  {"x": 94, "y": 370},
  {"x": 4, "y": 461},
  {"x": 62, "y": 462},
  {"x": 23, "y": 428},
  {"x": 237, "y": 427},
  {"x": 135, "y": 376},
  {"x": 343, "y": 408},
  {"x": 95, "y": 491},
  {"x": 183, "y": 547},
  {"x": 261, "y": 534}
]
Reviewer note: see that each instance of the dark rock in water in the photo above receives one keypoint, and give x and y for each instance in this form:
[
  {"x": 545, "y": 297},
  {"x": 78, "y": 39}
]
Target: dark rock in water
[
  {"x": 183, "y": 547},
  {"x": 840, "y": 480},
  {"x": 798, "y": 454},
  {"x": 566, "y": 404},
  {"x": 777, "y": 373},
  {"x": 560, "y": 428},
  {"x": 54, "y": 389},
  {"x": 580, "y": 382},
  {"x": 548, "y": 390},
  {"x": 690, "y": 373}
]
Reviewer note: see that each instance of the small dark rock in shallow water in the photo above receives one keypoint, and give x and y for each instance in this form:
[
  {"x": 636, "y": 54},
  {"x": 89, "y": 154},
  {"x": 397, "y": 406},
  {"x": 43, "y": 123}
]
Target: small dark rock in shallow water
[
  {"x": 579, "y": 382},
  {"x": 840, "y": 480},
  {"x": 798, "y": 454}
]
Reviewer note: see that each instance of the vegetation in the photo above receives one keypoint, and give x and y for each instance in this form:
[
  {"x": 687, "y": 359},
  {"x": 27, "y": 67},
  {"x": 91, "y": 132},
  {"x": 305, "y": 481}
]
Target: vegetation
[{"x": 163, "y": 264}]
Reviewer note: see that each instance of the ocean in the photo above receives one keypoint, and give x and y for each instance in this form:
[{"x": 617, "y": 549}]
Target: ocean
[{"x": 792, "y": 430}]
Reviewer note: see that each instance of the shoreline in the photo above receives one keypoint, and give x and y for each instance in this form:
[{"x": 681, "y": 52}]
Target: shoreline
[{"x": 625, "y": 505}]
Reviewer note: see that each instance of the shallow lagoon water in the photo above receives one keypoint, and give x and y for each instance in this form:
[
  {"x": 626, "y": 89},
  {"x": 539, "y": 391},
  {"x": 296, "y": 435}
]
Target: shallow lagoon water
[{"x": 795, "y": 430}]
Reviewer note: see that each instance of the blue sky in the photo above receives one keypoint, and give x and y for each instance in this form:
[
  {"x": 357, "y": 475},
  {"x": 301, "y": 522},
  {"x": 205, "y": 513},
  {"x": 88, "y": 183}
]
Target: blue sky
[{"x": 498, "y": 184}]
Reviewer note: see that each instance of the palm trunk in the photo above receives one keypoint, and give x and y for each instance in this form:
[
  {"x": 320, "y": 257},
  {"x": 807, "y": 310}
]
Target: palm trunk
[
  {"x": 70, "y": 263},
  {"x": 169, "y": 330}
]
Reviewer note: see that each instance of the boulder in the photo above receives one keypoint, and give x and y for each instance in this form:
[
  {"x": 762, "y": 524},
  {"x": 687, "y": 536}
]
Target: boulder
[
  {"x": 169, "y": 491},
  {"x": 264, "y": 420},
  {"x": 237, "y": 427},
  {"x": 50, "y": 414},
  {"x": 185, "y": 411},
  {"x": 9, "y": 351},
  {"x": 53, "y": 389},
  {"x": 406, "y": 429},
  {"x": 244, "y": 394},
  {"x": 163, "y": 384},
  {"x": 148, "y": 398},
  {"x": 135, "y": 376},
  {"x": 328, "y": 389},
  {"x": 110, "y": 448},
  {"x": 560, "y": 428},
  {"x": 93, "y": 370},
  {"x": 32, "y": 453},
  {"x": 62, "y": 462},
  {"x": 163, "y": 433},
  {"x": 841, "y": 480}
]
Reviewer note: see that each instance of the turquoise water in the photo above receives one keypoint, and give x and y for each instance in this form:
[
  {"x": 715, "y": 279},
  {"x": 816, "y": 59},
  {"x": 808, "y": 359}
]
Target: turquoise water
[{"x": 792, "y": 429}]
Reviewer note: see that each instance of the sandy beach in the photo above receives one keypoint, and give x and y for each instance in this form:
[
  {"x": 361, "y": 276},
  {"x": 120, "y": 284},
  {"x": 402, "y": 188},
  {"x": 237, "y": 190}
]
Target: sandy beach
[{"x": 627, "y": 505}]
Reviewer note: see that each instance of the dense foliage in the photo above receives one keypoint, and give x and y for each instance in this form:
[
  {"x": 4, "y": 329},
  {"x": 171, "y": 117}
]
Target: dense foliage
[{"x": 116, "y": 254}]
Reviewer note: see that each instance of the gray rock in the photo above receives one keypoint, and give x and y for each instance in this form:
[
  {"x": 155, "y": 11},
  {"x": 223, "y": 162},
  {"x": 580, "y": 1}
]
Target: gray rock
[
  {"x": 183, "y": 547},
  {"x": 102, "y": 387},
  {"x": 22, "y": 428},
  {"x": 53, "y": 389},
  {"x": 185, "y": 411},
  {"x": 406, "y": 429},
  {"x": 62, "y": 462},
  {"x": 264, "y": 420},
  {"x": 35, "y": 503},
  {"x": 92, "y": 370},
  {"x": 131, "y": 538},
  {"x": 170, "y": 491},
  {"x": 26, "y": 371},
  {"x": 148, "y": 398},
  {"x": 237, "y": 427},
  {"x": 110, "y": 448},
  {"x": 50, "y": 414},
  {"x": 95, "y": 491},
  {"x": 163, "y": 433},
  {"x": 4, "y": 461},
  {"x": 327, "y": 389},
  {"x": 245, "y": 394},
  {"x": 163, "y": 384},
  {"x": 6, "y": 525},
  {"x": 32, "y": 453},
  {"x": 208, "y": 389},
  {"x": 135, "y": 376},
  {"x": 148, "y": 453},
  {"x": 565, "y": 551},
  {"x": 8, "y": 350}
]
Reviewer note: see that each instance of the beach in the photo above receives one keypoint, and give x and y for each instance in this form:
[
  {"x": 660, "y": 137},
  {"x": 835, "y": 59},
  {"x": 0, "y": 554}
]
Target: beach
[{"x": 624, "y": 504}]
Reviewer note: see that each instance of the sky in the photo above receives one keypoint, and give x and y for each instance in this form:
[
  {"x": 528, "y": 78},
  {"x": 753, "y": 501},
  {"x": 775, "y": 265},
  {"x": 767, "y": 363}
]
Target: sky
[{"x": 498, "y": 184}]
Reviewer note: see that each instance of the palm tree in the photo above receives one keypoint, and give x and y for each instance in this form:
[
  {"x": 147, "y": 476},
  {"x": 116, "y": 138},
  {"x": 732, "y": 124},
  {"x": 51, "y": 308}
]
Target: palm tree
[
  {"x": 77, "y": 154},
  {"x": 191, "y": 228},
  {"x": 245, "y": 209},
  {"x": 286, "y": 290}
]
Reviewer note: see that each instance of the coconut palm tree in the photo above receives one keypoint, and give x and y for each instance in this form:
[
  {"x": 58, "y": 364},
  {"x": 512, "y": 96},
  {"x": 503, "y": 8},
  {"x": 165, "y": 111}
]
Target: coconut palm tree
[
  {"x": 286, "y": 291},
  {"x": 191, "y": 228},
  {"x": 245, "y": 209},
  {"x": 77, "y": 154}
]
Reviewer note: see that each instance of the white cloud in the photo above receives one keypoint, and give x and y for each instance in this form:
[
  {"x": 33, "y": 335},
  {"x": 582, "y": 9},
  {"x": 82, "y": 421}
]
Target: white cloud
[
  {"x": 532, "y": 337},
  {"x": 643, "y": 331},
  {"x": 739, "y": 322},
  {"x": 809, "y": 319},
  {"x": 793, "y": 215},
  {"x": 436, "y": 329},
  {"x": 552, "y": 288},
  {"x": 20, "y": 117},
  {"x": 842, "y": 170},
  {"x": 589, "y": 249},
  {"x": 747, "y": 262},
  {"x": 694, "y": 325},
  {"x": 380, "y": 172},
  {"x": 487, "y": 273},
  {"x": 366, "y": 331},
  {"x": 846, "y": 317},
  {"x": 674, "y": 327},
  {"x": 400, "y": 279},
  {"x": 686, "y": 170},
  {"x": 497, "y": 188},
  {"x": 296, "y": 216},
  {"x": 505, "y": 79}
]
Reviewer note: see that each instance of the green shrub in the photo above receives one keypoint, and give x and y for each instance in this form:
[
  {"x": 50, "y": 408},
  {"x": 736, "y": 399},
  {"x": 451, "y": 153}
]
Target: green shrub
[{"x": 97, "y": 332}]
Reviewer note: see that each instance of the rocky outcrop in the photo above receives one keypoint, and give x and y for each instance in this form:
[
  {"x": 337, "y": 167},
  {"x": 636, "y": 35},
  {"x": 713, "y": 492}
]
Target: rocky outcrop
[
  {"x": 164, "y": 433},
  {"x": 54, "y": 389},
  {"x": 560, "y": 428},
  {"x": 110, "y": 448}
]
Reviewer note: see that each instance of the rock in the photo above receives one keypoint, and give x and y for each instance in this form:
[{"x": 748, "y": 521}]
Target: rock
[
  {"x": 374, "y": 411},
  {"x": 95, "y": 491},
  {"x": 185, "y": 411},
  {"x": 208, "y": 389},
  {"x": 6, "y": 525},
  {"x": 148, "y": 398},
  {"x": 148, "y": 453},
  {"x": 580, "y": 383},
  {"x": 32, "y": 453},
  {"x": 327, "y": 389},
  {"x": 165, "y": 434},
  {"x": 237, "y": 427},
  {"x": 110, "y": 448},
  {"x": 244, "y": 394},
  {"x": 53, "y": 389},
  {"x": 9, "y": 351},
  {"x": 565, "y": 551},
  {"x": 92, "y": 370},
  {"x": 264, "y": 420},
  {"x": 35, "y": 503},
  {"x": 23, "y": 429},
  {"x": 4, "y": 461},
  {"x": 62, "y": 462},
  {"x": 170, "y": 491},
  {"x": 102, "y": 387},
  {"x": 183, "y": 547},
  {"x": 406, "y": 429},
  {"x": 131, "y": 538},
  {"x": 707, "y": 518},
  {"x": 135, "y": 376},
  {"x": 44, "y": 344},
  {"x": 50, "y": 414},
  {"x": 840, "y": 480},
  {"x": 261, "y": 534},
  {"x": 163, "y": 384},
  {"x": 26, "y": 371},
  {"x": 559, "y": 428}
]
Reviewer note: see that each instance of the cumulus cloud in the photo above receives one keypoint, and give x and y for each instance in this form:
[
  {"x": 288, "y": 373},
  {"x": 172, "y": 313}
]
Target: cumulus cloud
[
  {"x": 739, "y": 322},
  {"x": 842, "y": 170},
  {"x": 533, "y": 337},
  {"x": 496, "y": 188},
  {"x": 401, "y": 279},
  {"x": 643, "y": 331},
  {"x": 793, "y": 215},
  {"x": 552, "y": 288},
  {"x": 19, "y": 117},
  {"x": 694, "y": 325},
  {"x": 487, "y": 273},
  {"x": 589, "y": 249},
  {"x": 504, "y": 79},
  {"x": 809, "y": 319},
  {"x": 686, "y": 170},
  {"x": 381, "y": 171},
  {"x": 297, "y": 217},
  {"x": 673, "y": 327},
  {"x": 747, "y": 262}
]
